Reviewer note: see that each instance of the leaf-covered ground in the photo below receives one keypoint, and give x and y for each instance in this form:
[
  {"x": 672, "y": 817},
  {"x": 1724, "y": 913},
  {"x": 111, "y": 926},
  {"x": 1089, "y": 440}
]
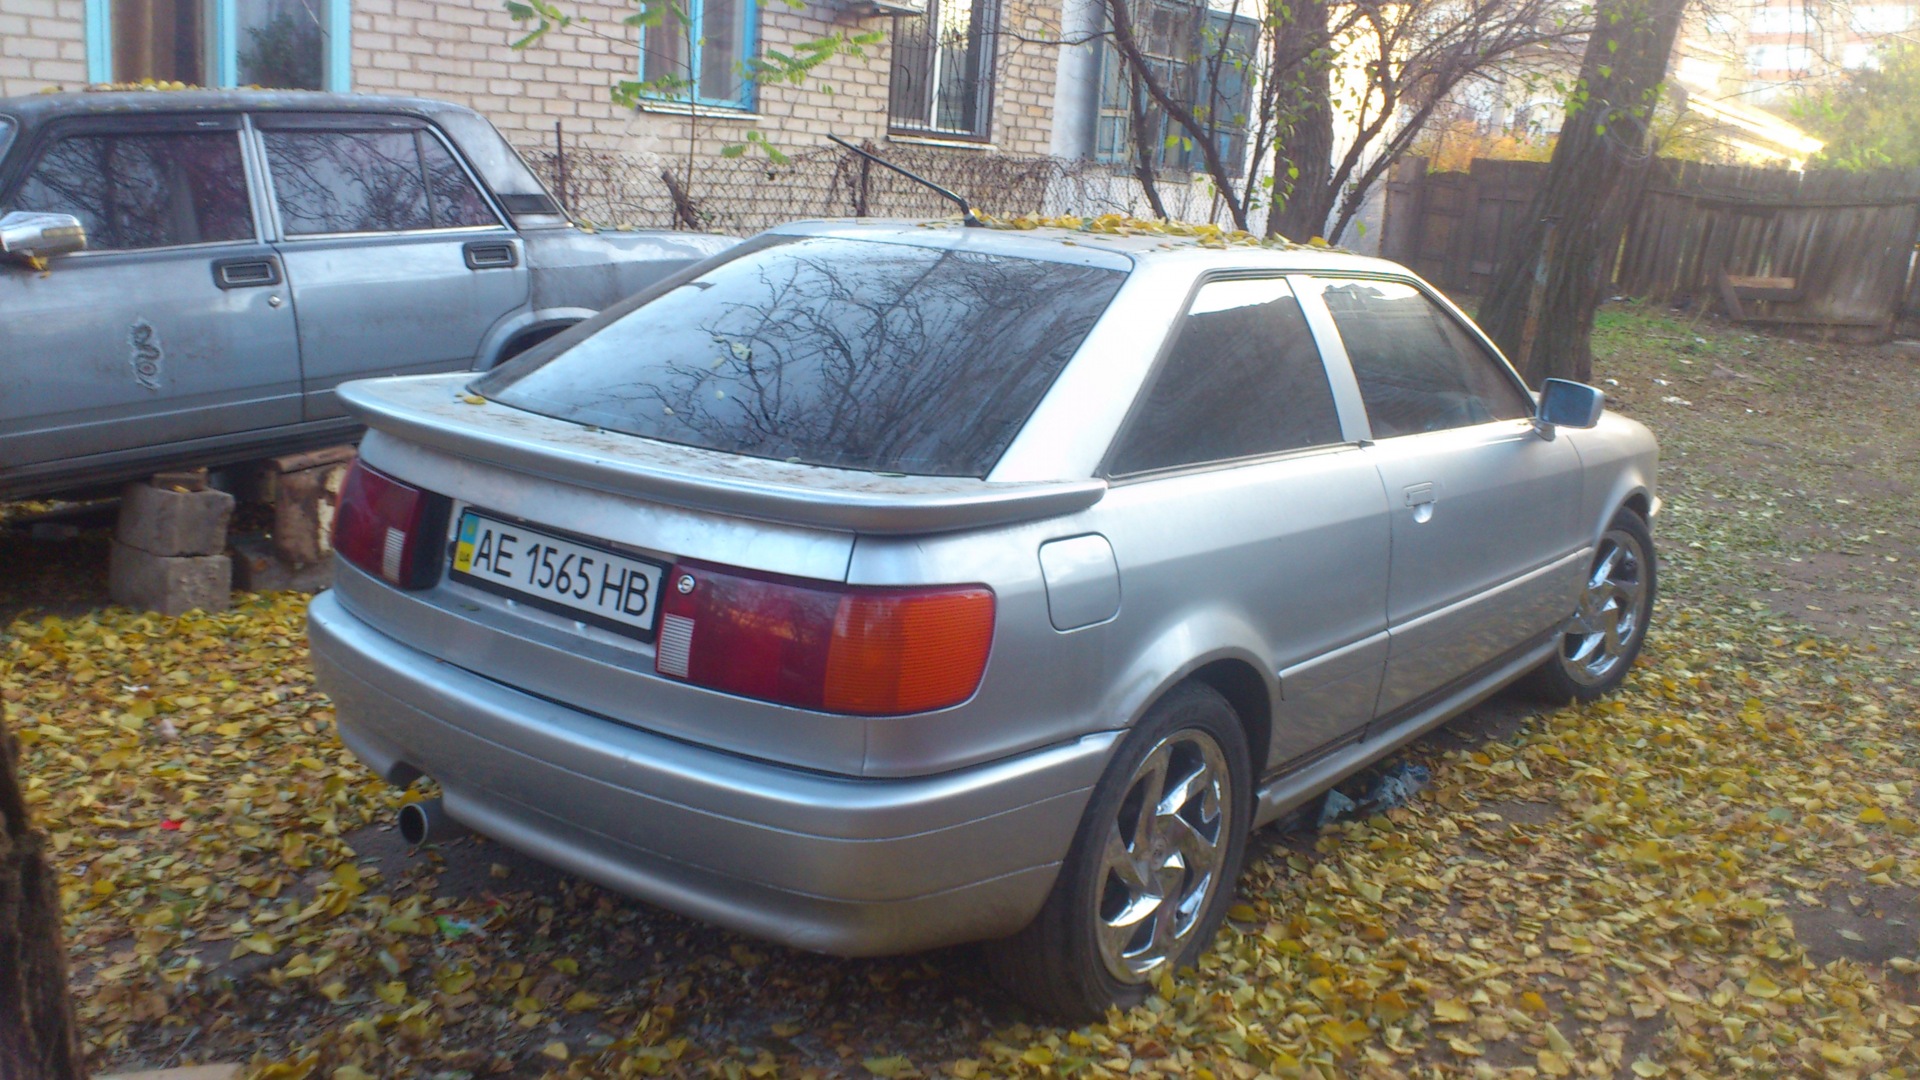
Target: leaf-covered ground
[{"x": 1715, "y": 873}]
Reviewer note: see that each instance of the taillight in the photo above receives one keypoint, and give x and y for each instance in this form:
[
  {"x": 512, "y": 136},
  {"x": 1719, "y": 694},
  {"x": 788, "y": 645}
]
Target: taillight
[
  {"x": 869, "y": 651},
  {"x": 388, "y": 528}
]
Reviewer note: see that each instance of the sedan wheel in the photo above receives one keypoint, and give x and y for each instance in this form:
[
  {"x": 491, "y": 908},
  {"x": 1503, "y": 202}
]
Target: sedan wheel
[
  {"x": 1609, "y": 625},
  {"x": 1152, "y": 867},
  {"x": 1609, "y": 618},
  {"x": 1164, "y": 855}
]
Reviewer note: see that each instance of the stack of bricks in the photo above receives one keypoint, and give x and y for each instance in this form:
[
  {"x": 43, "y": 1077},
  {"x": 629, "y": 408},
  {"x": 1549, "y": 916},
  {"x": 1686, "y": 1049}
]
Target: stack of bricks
[{"x": 169, "y": 549}]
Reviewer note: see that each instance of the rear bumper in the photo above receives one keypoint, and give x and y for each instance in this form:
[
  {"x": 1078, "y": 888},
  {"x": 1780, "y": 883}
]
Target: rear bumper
[{"x": 834, "y": 864}]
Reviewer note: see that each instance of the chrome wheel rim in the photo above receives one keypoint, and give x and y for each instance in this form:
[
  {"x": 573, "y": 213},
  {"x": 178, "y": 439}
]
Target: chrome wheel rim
[
  {"x": 1610, "y": 618},
  {"x": 1165, "y": 851}
]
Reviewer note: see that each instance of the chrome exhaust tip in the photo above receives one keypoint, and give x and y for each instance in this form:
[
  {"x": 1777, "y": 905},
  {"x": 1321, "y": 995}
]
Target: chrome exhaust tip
[{"x": 427, "y": 822}]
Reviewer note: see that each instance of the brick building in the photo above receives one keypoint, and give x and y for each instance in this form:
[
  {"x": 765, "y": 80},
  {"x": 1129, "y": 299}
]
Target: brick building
[
  {"x": 955, "y": 85},
  {"x": 968, "y": 74}
]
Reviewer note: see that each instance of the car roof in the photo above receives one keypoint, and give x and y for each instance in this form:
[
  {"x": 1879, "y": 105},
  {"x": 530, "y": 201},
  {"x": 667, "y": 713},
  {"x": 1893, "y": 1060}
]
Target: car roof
[
  {"x": 1113, "y": 241},
  {"x": 35, "y": 108}
]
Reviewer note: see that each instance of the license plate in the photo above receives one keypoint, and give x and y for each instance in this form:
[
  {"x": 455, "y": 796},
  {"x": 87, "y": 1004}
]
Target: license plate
[{"x": 588, "y": 582}]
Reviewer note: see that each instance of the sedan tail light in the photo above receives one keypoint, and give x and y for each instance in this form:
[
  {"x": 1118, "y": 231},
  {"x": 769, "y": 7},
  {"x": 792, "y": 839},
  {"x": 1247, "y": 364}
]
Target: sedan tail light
[
  {"x": 388, "y": 528},
  {"x": 868, "y": 651}
]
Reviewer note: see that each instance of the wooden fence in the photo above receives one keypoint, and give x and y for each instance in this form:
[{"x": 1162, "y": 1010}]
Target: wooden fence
[
  {"x": 1453, "y": 228},
  {"x": 1828, "y": 248}
]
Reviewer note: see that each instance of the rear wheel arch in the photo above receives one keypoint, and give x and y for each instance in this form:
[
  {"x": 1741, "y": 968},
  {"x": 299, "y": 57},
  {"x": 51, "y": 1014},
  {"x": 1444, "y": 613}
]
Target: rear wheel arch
[
  {"x": 527, "y": 339},
  {"x": 1240, "y": 683}
]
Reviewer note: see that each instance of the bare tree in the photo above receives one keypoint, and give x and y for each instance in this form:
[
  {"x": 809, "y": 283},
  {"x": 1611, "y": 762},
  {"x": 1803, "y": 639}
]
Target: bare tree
[
  {"x": 1416, "y": 54},
  {"x": 1541, "y": 304}
]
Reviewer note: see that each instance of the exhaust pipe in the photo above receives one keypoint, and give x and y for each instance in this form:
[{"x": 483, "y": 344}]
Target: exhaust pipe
[{"x": 427, "y": 822}]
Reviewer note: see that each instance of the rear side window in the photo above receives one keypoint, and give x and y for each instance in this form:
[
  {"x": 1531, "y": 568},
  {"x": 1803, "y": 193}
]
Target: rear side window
[
  {"x": 6, "y": 135},
  {"x": 830, "y": 351},
  {"x": 144, "y": 190},
  {"x": 369, "y": 181},
  {"x": 1243, "y": 379},
  {"x": 1418, "y": 369}
]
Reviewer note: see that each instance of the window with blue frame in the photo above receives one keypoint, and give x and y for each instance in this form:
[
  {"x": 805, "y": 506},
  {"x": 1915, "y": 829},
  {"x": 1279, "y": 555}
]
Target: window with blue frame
[
  {"x": 698, "y": 54},
  {"x": 279, "y": 44},
  {"x": 1204, "y": 58}
]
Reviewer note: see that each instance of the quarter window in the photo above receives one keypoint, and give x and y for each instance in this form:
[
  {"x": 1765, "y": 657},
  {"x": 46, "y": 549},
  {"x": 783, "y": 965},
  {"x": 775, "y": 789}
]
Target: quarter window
[
  {"x": 369, "y": 181},
  {"x": 144, "y": 190},
  {"x": 942, "y": 79},
  {"x": 1244, "y": 378},
  {"x": 1419, "y": 370}
]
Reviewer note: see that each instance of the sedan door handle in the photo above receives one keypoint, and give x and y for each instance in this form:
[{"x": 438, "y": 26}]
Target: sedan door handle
[
  {"x": 490, "y": 255},
  {"x": 1420, "y": 494},
  {"x": 246, "y": 273}
]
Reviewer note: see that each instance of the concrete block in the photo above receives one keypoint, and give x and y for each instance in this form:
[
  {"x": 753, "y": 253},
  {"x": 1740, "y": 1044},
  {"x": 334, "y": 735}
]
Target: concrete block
[
  {"x": 257, "y": 567},
  {"x": 169, "y": 585},
  {"x": 162, "y": 522}
]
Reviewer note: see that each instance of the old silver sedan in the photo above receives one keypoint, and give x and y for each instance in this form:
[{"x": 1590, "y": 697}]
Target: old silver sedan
[{"x": 876, "y": 586}]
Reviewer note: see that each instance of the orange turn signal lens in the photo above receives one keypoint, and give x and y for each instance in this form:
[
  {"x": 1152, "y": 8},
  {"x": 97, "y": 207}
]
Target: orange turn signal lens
[{"x": 907, "y": 652}]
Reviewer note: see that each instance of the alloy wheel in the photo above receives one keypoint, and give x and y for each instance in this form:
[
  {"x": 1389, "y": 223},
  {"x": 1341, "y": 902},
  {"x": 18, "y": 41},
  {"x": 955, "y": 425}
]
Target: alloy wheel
[
  {"x": 1604, "y": 630},
  {"x": 1165, "y": 855}
]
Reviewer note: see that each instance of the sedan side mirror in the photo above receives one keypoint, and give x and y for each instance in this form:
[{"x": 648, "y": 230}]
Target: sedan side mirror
[
  {"x": 1565, "y": 403},
  {"x": 26, "y": 235}
]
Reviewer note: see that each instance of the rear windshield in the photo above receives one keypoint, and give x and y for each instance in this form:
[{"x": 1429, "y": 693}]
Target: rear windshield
[
  {"x": 6, "y": 136},
  {"x": 828, "y": 351}
]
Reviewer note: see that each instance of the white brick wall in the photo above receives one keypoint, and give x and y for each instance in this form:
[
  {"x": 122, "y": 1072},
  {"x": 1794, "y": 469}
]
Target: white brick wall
[
  {"x": 461, "y": 50},
  {"x": 42, "y": 44}
]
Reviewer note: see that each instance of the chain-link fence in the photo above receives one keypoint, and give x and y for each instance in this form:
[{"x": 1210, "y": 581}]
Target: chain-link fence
[{"x": 747, "y": 194}]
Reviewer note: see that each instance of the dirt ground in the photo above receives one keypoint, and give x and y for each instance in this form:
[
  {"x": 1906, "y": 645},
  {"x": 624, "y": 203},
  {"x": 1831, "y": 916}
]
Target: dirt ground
[{"x": 1714, "y": 874}]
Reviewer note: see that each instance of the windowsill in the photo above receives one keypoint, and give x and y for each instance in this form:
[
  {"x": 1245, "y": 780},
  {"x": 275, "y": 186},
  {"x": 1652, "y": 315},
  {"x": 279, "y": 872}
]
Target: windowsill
[
  {"x": 699, "y": 112},
  {"x": 934, "y": 140}
]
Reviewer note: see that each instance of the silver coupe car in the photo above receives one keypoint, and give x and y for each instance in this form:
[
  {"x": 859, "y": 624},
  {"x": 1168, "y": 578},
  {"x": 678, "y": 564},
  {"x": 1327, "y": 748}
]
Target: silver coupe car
[{"x": 873, "y": 586}]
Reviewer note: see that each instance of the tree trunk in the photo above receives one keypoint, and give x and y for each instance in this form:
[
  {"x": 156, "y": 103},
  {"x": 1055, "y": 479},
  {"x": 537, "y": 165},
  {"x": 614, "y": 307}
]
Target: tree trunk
[
  {"x": 1303, "y": 155},
  {"x": 36, "y": 1016},
  {"x": 1540, "y": 307}
]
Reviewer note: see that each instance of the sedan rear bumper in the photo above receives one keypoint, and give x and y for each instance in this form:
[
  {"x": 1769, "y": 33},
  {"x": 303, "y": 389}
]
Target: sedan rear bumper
[{"x": 834, "y": 864}]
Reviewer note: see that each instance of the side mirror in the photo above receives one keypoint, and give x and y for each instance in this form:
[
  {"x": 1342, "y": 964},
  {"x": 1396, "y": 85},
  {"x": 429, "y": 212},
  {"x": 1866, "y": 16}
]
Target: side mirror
[
  {"x": 1565, "y": 403},
  {"x": 26, "y": 235}
]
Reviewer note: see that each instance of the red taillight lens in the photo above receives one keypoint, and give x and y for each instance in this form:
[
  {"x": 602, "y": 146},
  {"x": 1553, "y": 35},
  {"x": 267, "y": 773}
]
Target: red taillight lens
[
  {"x": 388, "y": 528},
  {"x": 837, "y": 648}
]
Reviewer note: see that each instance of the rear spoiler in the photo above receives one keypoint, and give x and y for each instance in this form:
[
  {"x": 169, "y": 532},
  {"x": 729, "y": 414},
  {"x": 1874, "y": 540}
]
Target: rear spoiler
[{"x": 437, "y": 411}]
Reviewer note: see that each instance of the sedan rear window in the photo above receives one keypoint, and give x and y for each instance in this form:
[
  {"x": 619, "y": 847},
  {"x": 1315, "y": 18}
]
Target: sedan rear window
[
  {"x": 829, "y": 351},
  {"x": 6, "y": 135}
]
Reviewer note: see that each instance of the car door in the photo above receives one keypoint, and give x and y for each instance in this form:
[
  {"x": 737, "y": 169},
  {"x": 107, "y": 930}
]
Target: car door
[
  {"x": 172, "y": 326},
  {"x": 1239, "y": 497},
  {"x": 398, "y": 261},
  {"x": 1487, "y": 549}
]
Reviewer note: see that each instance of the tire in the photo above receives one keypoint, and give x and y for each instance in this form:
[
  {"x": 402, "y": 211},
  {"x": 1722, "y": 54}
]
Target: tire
[
  {"x": 1604, "y": 636},
  {"x": 1108, "y": 931}
]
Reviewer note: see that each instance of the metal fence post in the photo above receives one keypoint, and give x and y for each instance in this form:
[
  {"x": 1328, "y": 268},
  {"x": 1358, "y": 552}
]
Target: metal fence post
[{"x": 560, "y": 167}]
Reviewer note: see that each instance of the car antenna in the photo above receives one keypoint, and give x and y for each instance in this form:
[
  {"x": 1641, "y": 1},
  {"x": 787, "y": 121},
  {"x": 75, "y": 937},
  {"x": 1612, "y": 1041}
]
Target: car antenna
[{"x": 966, "y": 212}]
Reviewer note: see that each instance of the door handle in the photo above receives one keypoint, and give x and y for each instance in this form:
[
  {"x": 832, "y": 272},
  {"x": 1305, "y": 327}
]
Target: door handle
[
  {"x": 246, "y": 273},
  {"x": 490, "y": 254}
]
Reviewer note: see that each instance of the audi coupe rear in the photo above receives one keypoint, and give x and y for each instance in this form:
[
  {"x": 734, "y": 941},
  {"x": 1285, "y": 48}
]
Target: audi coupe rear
[{"x": 729, "y": 598}]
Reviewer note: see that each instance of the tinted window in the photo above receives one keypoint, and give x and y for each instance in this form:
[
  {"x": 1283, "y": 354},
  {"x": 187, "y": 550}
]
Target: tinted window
[
  {"x": 1243, "y": 378},
  {"x": 369, "y": 181},
  {"x": 144, "y": 190},
  {"x": 1418, "y": 369},
  {"x": 829, "y": 351},
  {"x": 6, "y": 135}
]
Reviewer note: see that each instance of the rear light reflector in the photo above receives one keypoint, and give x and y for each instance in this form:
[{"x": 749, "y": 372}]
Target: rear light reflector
[
  {"x": 388, "y": 528},
  {"x": 867, "y": 651}
]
